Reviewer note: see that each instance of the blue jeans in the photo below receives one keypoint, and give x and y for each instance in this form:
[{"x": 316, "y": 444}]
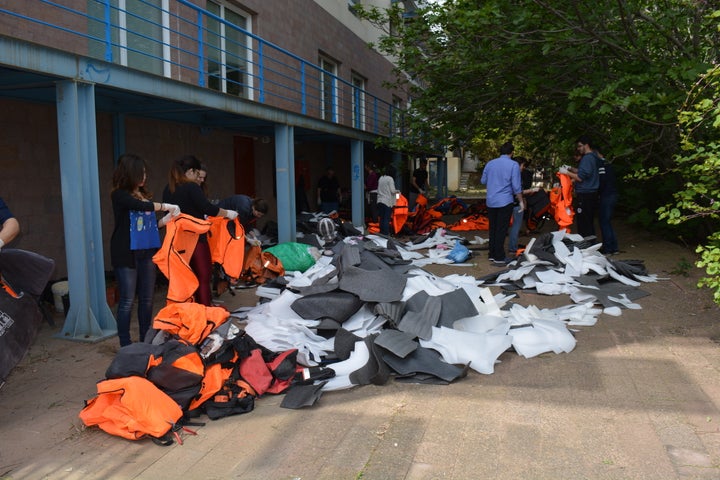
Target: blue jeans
[
  {"x": 131, "y": 281},
  {"x": 514, "y": 232},
  {"x": 385, "y": 212}
]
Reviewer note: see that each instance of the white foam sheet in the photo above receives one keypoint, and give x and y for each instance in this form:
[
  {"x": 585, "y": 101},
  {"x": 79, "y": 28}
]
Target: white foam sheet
[
  {"x": 623, "y": 300},
  {"x": 622, "y": 278},
  {"x": 489, "y": 305},
  {"x": 578, "y": 295},
  {"x": 584, "y": 314},
  {"x": 320, "y": 269},
  {"x": 562, "y": 252},
  {"x": 613, "y": 311},
  {"x": 439, "y": 237},
  {"x": 358, "y": 359},
  {"x": 515, "y": 274},
  {"x": 480, "y": 351},
  {"x": 280, "y": 335},
  {"x": 551, "y": 288},
  {"x": 481, "y": 324},
  {"x": 574, "y": 264},
  {"x": 364, "y": 322},
  {"x": 542, "y": 336},
  {"x": 425, "y": 281},
  {"x": 277, "y": 327},
  {"x": 479, "y": 240},
  {"x": 408, "y": 255},
  {"x": 553, "y": 276}
]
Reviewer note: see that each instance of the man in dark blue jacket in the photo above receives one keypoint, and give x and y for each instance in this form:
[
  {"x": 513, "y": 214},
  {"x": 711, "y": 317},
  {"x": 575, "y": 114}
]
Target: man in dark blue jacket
[{"x": 587, "y": 182}]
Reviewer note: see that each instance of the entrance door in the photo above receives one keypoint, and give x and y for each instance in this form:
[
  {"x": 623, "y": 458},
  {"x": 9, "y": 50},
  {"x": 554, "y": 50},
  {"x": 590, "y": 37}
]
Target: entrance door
[{"x": 244, "y": 159}]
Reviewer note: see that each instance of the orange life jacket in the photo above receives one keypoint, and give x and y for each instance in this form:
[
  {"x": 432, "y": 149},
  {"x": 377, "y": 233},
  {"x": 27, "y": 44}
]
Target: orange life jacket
[
  {"x": 213, "y": 380},
  {"x": 261, "y": 266},
  {"x": 192, "y": 322},
  {"x": 226, "y": 239},
  {"x": 131, "y": 407},
  {"x": 173, "y": 258},
  {"x": 474, "y": 221},
  {"x": 399, "y": 213},
  {"x": 561, "y": 201}
]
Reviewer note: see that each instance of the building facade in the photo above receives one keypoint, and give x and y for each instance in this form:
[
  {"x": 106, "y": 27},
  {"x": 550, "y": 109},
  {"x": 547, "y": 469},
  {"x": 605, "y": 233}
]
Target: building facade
[{"x": 265, "y": 92}]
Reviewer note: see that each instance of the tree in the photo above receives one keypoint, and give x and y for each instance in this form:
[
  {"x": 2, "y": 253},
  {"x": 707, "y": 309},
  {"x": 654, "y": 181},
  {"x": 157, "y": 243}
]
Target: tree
[
  {"x": 699, "y": 163},
  {"x": 543, "y": 72}
]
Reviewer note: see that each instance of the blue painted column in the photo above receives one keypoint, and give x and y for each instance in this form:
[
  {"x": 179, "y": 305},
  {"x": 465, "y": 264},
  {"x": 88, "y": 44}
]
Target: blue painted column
[
  {"x": 89, "y": 317},
  {"x": 118, "y": 128},
  {"x": 285, "y": 182},
  {"x": 357, "y": 184}
]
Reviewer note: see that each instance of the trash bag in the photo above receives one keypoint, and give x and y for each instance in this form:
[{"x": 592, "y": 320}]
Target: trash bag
[
  {"x": 459, "y": 253},
  {"x": 295, "y": 256}
]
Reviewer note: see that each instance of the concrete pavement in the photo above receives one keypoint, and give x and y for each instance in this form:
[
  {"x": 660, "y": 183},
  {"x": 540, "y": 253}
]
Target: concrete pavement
[{"x": 638, "y": 398}]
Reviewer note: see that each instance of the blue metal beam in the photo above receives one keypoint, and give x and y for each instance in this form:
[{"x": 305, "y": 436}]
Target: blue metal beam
[
  {"x": 357, "y": 183},
  {"x": 285, "y": 174},
  {"x": 34, "y": 58},
  {"x": 89, "y": 318},
  {"x": 118, "y": 139}
]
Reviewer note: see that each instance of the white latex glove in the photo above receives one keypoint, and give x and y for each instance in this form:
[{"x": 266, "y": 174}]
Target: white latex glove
[
  {"x": 174, "y": 210},
  {"x": 563, "y": 169},
  {"x": 231, "y": 214},
  {"x": 535, "y": 189},
  {"x": 253, "y": 241},
  {"x": 2, "y": 243},
  {"x": 164, "y": 220}
]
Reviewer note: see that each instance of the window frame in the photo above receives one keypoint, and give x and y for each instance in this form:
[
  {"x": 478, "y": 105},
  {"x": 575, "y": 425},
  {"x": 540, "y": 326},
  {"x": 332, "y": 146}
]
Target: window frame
[{"x": 245, "y": 82}]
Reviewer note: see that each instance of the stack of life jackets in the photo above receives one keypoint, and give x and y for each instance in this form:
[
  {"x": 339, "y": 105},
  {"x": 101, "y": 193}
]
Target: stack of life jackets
[{"x": 196, "y": 362}]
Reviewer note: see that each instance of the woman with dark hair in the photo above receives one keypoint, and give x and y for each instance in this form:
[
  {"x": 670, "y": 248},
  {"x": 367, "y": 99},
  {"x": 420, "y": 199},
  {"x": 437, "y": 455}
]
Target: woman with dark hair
[
  {"x": 134, "y": 241},
  {"x": 183, "y": 190}
]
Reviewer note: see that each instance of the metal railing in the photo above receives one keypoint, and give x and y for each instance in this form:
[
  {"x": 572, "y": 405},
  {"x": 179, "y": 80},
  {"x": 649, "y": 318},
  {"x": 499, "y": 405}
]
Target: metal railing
[{"x": 209, "y": 48}]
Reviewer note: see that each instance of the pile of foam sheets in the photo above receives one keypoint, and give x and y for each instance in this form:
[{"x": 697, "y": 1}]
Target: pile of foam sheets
[{"x": 367, "y": 312}]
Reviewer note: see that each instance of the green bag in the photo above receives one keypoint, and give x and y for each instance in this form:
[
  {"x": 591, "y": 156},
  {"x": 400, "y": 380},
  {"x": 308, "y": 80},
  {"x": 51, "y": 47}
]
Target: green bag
[{"x": 294, "y": 256}]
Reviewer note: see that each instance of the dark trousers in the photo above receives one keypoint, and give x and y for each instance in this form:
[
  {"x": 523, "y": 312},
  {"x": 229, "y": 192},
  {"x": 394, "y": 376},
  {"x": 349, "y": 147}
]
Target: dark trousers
[
  {"x": 385, "y": 212},
  {"x": 585, "y": 209},
  {"x": 607, "y": 206},
  {"x": 499, "y": 219},
  {"x": 131, "y": 281},
  {"x": 201, "y": 264},
  {"x": 372, "y": 207}
]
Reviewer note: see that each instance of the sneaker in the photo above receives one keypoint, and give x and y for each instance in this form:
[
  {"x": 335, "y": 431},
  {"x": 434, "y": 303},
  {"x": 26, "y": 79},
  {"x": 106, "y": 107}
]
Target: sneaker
[{"x": 499, "y": 263}]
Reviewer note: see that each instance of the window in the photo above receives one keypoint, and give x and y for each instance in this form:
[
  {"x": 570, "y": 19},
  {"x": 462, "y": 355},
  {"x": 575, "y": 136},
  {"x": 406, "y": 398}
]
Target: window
[
  {"x": 228, "y": 50},
  {"x": 358, "y": 101},
  {"x": 396, "y": 116},
  {"x": 328, "y": 90},
  {"x": 139, "y": 34}
]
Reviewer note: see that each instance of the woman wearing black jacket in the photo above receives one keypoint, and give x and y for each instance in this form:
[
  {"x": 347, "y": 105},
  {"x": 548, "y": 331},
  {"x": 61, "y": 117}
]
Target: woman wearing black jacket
[
  {"x": 183, "y": 190},
  {"x": 133, "y": 266}
]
